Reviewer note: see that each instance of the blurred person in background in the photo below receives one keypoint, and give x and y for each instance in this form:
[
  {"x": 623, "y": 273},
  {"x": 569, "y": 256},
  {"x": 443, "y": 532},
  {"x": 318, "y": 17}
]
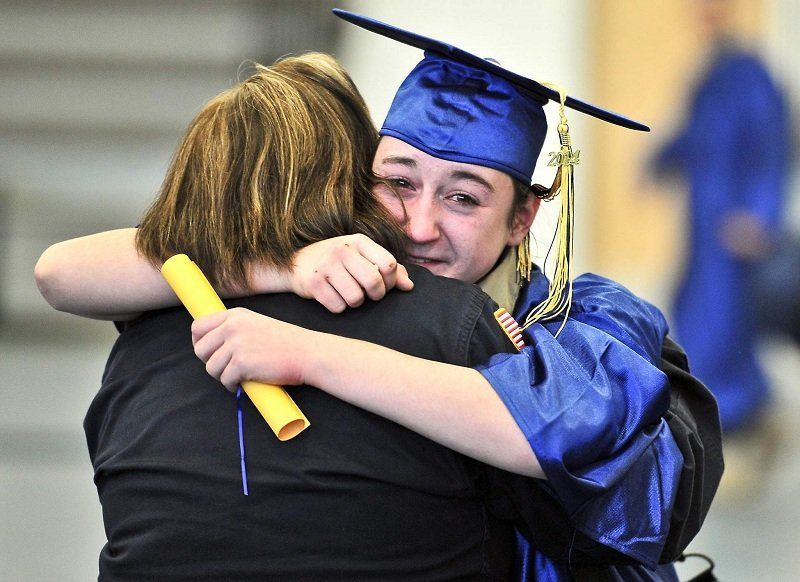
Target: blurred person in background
[{"x": 733, "y": 151}]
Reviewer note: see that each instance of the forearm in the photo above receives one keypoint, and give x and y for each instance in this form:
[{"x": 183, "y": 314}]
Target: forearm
[
  {"x": 103, "y": 277},
  {"x": 451, "y": 405}
]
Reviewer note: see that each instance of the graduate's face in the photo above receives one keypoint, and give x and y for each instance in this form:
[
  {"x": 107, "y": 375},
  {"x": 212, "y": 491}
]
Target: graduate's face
[{"x": 458, "y": 217}]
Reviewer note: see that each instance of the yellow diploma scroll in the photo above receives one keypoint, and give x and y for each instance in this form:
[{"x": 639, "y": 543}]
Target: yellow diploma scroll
[{"x": 198, "y": 296}]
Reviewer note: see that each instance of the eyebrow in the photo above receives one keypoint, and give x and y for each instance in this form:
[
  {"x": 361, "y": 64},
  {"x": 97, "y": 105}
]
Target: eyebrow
[
  {"x": 455, "y": 175},
  {"x": 465, "y": 175},
  {"x": 400, "y": 160}
]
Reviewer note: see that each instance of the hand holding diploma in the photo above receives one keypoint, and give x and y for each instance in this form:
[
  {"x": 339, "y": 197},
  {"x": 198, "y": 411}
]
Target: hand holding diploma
[{"x": 195, "y": 292}]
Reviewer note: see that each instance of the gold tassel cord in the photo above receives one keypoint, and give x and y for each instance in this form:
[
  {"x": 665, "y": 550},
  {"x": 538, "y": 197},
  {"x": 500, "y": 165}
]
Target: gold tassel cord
[
  {"x": 524, "y": 260},
  {"x": 559, "y": 296}
]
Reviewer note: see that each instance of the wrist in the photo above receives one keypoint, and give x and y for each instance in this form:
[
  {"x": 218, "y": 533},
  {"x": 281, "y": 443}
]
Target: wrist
[
  {"x": 314, "y": 352},
  {"x": 269, "y": 279}
]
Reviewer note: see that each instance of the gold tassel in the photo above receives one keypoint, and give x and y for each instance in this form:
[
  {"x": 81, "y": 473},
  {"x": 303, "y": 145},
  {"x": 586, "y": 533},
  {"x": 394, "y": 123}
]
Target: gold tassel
[
  {"x": 524, "y": 259},
  {"x": 559, "y": 296}
]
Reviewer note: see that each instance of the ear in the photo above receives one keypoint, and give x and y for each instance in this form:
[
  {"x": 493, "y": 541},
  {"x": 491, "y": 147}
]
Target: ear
[{"x": 523, "y": 219}]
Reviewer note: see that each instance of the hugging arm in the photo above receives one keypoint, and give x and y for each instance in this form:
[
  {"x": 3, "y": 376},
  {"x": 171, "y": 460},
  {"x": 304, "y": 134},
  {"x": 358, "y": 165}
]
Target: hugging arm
[
  {"x": 451, "y": 405},
  {"x": 584, "y": 410},
  {"x": 103, "y": 277}
]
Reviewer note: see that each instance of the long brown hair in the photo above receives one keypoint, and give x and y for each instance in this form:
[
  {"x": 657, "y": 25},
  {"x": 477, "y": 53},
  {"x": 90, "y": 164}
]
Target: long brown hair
[{"x": 267, "y": 167}]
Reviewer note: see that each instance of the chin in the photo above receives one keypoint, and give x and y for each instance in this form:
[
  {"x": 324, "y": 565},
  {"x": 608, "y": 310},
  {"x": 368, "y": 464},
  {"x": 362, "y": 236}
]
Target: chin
[
  {"x": 444, "y": 271},
  {"x": 435, "y": 268}
]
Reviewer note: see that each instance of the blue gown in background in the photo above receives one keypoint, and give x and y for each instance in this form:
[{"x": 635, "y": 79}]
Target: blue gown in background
[
  {"x": 733, "y": 152},
  {"x": 590, "y": 402}
]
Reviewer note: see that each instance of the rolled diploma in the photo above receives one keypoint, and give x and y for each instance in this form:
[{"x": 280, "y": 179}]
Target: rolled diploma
[{"x": 198, "y": 296}]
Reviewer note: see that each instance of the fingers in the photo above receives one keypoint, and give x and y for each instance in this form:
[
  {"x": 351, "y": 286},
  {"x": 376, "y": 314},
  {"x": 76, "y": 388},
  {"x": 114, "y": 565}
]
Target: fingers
[
  {"x": 345, "y": 278},
  {"x": 335, "y": 288},
  {"x": 210, "y": 348},
  {"x": 356, "y": 278},
  {"x": 374, "y": 256},
  {"x": 213, "y": 346},
  {"x": 373, "y": 252},
  {"x": 347, "y": 270},
  {"x": 205, "y": 346},
  {"x": 404, "y": 282},
  {"x": 366, "y": 276},
  {"x": 381, "y": 259},
  {"x": 327, "y": 295},
  {"x": 208, "y": 337},
  {"x": 217, "y": 366},
  {"x": 248, "y": 345},
  {"x": 392, "y": 273},
  {"x": 350, "y": 277},
  {"x": 203, "y": 325}
]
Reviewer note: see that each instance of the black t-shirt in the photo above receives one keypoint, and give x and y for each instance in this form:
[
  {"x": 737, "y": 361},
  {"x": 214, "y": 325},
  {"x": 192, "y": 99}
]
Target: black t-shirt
[{"x": 354, "y": 497}]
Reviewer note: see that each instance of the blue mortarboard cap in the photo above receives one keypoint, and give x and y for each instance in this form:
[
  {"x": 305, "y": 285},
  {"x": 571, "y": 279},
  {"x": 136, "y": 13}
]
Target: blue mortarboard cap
[{"x": 460, "y": 107}]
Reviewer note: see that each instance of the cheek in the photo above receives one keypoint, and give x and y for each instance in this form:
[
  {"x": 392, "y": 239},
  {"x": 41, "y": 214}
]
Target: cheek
[
  {"x": 497, "y": 233},
  {"x": 481, "y": 234},
  {"x": 481, "y": 256},
  {"x": 479, "y": 242},
  {"x": 391, "y": 202},
  {"x": 493, "y": 243}
]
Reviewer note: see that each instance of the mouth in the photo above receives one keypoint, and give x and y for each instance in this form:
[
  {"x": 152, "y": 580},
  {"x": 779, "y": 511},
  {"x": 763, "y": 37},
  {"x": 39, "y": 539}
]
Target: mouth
[{"x": 423, "y": 261}]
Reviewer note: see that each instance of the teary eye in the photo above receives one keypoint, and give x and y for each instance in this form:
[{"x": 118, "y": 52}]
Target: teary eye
[
  {"x": 463, "y": 198},
  {"x": 399, "y": 182}
]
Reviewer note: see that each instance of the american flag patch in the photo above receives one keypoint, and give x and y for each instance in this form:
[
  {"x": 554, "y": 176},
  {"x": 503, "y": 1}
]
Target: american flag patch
[{"x": 510, "y": 327}]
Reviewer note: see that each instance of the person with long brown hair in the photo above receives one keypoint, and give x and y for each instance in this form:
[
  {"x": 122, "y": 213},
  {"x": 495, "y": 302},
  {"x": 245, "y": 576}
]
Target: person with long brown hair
[
  {"x": 277, "y": 162},
  {"x": 268, "y": 167}
]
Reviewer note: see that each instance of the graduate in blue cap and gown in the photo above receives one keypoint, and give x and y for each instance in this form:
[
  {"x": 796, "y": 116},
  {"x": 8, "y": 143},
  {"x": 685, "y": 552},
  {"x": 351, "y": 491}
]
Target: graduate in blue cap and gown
[{"x": 594, "y": 423}]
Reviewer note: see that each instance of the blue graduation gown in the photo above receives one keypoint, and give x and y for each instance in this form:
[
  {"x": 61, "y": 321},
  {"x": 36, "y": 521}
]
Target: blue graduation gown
[
  {"x": 590, "y": 402},
  {"x": 733, "y": 153}
]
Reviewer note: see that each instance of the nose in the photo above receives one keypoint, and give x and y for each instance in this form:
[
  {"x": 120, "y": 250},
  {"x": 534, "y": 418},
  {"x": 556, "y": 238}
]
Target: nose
[{"x": 422, "y": 221}]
